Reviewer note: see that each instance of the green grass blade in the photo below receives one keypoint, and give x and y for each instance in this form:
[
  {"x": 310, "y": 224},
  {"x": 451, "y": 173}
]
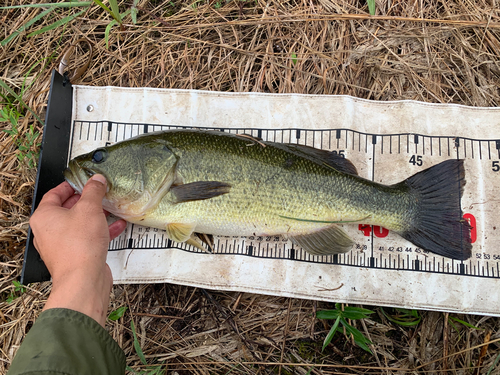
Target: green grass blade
[
  {"x": 329, "y": 337},
  {"x": 56, "y": 24},
  {"x": 493, "y": 365},
  {"x": 110, "y": 26},
  {"x": 11, "y": 92},
  {"x": 456, "y": 329},
  {"x": 116, "y": 16},
  {"x": 327, "y": 314},
  {"x": 133, "y": 12},
  {"x": 137, "y": 346},
  {"x": 405, "y": 320},
  {"x": 51, "y": 5},
  {"x": 359, "y": 338},
  {"x": 107, "y": 31},
  {"x": 116, "y": 11},
  {"x": 355, "y": 313},
  {"x": 118, "y": 313},
  {"x": 371, "y": 6},
  {"x": 25, "y": 26},
  {"x": 101, "y": 4},
  {"x": 23, "y": 86},
  {"x": 463, "y": 323},
  {"x": 358, "y": 310},
  {"x": 409, "y": 312}
]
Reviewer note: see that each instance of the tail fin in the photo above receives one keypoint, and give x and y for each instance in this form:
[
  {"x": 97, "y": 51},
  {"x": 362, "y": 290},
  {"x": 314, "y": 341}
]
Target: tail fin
[{"x": 438, "y": 224}]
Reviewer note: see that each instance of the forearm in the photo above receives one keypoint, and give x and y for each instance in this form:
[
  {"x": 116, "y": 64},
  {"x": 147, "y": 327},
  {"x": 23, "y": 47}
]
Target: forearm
[{"x": 83, "y": 292}]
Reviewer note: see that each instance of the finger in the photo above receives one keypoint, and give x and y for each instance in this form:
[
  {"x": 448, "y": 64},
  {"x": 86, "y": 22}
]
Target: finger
[
  {"x": 116, "y": 228},
  {"x": 94, "y": 190},
  {"x": 58, "y": 195},
  {"x": 71, "y": 201}
]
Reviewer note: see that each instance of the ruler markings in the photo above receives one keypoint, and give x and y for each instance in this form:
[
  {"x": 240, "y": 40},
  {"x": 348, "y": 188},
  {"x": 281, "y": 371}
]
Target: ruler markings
[
  {"x": 357, "y": 257},
  {"x": 374, "y": 142},
  {"x": 81, "y": 129}
]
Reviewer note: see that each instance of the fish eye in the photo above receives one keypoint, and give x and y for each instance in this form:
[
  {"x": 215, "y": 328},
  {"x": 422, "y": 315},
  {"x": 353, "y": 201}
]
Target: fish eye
[{"x": 99, "y": 156}]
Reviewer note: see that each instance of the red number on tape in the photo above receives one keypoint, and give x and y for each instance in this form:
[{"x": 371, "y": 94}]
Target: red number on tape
[{"x": 472, "y": 222}]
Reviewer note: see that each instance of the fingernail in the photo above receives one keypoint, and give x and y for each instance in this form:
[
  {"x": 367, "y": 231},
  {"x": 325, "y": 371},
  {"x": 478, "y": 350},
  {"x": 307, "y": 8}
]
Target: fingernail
[{"x": 100, "y": 178}]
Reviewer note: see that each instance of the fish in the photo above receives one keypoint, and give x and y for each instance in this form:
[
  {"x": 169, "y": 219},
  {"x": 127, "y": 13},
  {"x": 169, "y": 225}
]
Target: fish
[{"x": 192, "y": 181}]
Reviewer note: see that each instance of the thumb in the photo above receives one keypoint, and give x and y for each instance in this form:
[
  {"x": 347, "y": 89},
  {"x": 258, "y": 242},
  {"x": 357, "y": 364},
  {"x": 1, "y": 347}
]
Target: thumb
[{"x": 94, "y": 190}]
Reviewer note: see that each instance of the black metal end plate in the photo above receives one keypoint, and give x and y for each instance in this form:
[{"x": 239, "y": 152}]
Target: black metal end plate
[{"x": 51, "y": 164}]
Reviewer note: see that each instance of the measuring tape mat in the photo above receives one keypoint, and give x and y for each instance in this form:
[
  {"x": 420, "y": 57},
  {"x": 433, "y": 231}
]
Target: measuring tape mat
[{"x": 383, "y": 158}]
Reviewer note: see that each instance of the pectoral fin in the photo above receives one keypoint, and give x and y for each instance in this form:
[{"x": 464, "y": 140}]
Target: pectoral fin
[
  {"x": 331, "y": 240},
  {"x": 179, "y": 232},
  {"x": 199, "y": 190}
]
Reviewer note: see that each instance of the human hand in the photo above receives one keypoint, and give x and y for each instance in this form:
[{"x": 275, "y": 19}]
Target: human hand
[{"x": 72, "y": 236}]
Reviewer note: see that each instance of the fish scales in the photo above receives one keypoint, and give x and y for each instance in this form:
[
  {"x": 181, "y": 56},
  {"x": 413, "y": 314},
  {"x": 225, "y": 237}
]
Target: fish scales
[
  {"x": 269, "y": 183},
  {"x": 188, "y": 181}
]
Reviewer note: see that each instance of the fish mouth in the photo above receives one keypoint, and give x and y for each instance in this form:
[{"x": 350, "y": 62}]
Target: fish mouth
[{"x": 77, "y": 176}]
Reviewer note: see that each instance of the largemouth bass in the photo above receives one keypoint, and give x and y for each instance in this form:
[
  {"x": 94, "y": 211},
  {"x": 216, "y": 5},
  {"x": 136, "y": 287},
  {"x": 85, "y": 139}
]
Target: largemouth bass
[{"x": 193, "y": 181}]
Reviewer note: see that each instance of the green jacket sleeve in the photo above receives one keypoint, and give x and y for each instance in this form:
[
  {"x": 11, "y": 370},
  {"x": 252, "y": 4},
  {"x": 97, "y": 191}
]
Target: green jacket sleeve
[{"x": 64, "y": 341}]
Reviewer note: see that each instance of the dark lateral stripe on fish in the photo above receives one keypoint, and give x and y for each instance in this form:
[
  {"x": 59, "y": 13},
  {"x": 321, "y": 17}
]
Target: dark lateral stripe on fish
[
  {"x": 438, "y": 224},
  {"x": 325, "y": 221}
]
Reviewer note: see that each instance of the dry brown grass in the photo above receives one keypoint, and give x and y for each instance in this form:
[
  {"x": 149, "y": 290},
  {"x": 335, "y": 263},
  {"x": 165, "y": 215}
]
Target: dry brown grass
[{"x": 433, "y": 51}]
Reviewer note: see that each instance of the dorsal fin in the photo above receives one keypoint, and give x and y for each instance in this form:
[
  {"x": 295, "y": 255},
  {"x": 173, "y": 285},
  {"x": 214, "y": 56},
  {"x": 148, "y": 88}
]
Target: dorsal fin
[
  {"x": 330, "y": 158},
  {"x": 249, "y": 136}
]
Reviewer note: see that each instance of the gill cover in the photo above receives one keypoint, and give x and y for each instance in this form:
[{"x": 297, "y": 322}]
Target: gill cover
[{"x": 139, "y": 173}]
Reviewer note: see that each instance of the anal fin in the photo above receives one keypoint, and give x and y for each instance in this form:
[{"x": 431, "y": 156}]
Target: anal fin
[
  {"x": 208, "y": 239},
  {"x": 197, "y": 241},
  {"x": 327, "y": 241}
]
